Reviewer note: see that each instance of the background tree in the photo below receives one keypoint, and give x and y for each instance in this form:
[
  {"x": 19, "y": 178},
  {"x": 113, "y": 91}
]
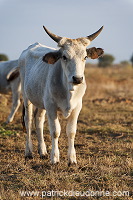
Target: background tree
[
  {"x": 3, "y": 57},
  {"x": 131, "y": 59},
  {"x": 125, "y": 62},
  {"x": 106, "y": 60}
]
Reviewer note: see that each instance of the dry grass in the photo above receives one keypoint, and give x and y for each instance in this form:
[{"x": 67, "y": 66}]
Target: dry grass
[{"x": 104, "y": 144}]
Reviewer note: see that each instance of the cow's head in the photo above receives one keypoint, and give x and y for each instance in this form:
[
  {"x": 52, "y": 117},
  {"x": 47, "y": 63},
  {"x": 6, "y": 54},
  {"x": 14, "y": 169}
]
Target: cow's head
[{"x": 73, "y": 54}]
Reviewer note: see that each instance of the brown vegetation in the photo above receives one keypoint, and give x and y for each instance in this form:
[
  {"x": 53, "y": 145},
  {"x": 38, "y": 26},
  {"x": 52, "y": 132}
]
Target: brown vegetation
[{"x": 104, "y": 145}]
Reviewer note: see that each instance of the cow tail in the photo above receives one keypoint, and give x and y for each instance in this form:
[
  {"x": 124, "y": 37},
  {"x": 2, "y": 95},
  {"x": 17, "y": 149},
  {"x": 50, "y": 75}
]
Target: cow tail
[{"x": 22, "y": 118}]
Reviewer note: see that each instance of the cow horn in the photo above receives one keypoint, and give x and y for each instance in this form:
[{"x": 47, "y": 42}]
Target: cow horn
[
  {"x": 56, "y": 38},
  {"x": 94, "y": 35}
]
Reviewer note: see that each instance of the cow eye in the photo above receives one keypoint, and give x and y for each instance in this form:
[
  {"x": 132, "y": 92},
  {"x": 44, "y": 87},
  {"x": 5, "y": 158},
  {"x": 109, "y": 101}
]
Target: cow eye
[
  {"x": 85, "y": 57},
  {"x": 64, "y": 58}
]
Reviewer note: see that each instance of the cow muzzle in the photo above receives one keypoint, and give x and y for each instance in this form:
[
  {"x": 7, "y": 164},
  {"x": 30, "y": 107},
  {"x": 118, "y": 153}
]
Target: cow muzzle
[{"x": 77, "y": 80}]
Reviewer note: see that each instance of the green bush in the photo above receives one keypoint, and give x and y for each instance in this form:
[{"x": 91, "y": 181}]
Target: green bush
[
  {"x": 3, "y": 57},
  {"x": 131, "y": 59}
]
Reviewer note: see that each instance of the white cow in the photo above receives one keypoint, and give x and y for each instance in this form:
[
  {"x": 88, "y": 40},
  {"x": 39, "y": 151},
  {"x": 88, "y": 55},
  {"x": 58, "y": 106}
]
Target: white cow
[
  {"x": 10, "y": 81},
  {"x": 53, "y": 80}
]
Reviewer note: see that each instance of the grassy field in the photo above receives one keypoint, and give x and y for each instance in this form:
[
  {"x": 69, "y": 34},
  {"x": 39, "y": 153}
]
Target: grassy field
[{"x": 104, "y": 146}]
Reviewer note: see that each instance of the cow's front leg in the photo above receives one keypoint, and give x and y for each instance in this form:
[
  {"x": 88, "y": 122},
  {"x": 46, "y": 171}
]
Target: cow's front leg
[
  {"x": 71, "y": 132},
  {"x": 54, "y": 127},
  {"x": 39, "y": 123}
]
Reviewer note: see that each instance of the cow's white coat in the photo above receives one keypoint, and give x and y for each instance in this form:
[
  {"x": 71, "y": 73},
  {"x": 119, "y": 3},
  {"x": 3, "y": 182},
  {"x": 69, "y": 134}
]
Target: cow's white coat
[
  {"x": 50, "y": 87},
  {"x": 6, "y": 69}
]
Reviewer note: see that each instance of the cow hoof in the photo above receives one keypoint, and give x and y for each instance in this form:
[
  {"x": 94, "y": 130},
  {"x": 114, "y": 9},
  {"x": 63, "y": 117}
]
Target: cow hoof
[
  {"x": 5, "y": 123},
  {"x": 55, "y": 163},
  {"x": 44, "y": 156},
  {"x": 29, "y": 157},
  {"x": 72, "y": 164}
]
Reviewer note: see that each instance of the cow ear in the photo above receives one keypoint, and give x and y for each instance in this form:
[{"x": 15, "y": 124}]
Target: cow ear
[
  {"x": 52, "y": 57},
  {"x": 94, "y": 52}
]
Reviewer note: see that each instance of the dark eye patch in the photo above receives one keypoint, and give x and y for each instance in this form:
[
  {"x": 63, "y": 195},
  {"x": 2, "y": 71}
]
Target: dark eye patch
[
  {"x": 64, "y": 58},
  {"x": 85, "y": 57}
]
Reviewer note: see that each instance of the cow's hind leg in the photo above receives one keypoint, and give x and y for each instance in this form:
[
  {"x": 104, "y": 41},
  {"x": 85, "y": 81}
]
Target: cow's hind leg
[
  {"x": 39, "y": 122},
  {"x": 28, "y": 124}
]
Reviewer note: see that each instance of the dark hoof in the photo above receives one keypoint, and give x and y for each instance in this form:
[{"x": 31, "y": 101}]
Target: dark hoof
[
  {"x": 55, "y": 164},
  {"x": 43, "y": 157},
  {"x": 72, "y": 164},
  {"x": 29, "y": 157}
]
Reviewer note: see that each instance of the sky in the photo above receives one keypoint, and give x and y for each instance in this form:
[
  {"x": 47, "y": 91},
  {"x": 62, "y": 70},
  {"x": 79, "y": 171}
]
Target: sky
[{"x": 21, "y": 23}]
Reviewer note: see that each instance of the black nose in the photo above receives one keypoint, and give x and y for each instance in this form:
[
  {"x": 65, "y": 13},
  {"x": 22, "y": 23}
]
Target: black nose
[{"x": 77, "y": 80}]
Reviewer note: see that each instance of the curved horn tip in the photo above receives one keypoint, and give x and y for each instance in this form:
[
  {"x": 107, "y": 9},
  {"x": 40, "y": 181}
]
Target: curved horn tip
[
  {"x": 102, "y": 27},
  {"x": 56, "y": 38},
  {"x": 94, "y": 35},
  {"x": 45, "y": 28}
]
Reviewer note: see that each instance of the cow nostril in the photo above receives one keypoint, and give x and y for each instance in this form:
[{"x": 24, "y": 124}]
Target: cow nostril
[{"x": 77, "y": 80}]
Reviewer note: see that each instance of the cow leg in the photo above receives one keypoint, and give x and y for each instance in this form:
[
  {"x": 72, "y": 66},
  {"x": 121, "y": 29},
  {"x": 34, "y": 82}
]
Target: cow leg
[
  {"x": 39, "y": 122},
  {"x": 15, "y": 87},
  {"x": 54, "y": 127},
  {"x": 71, "y": 132},
  {"x": 28, "y": 123}
]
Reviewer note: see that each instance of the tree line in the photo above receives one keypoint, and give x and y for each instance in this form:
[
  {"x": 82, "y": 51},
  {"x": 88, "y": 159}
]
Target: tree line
[{"x": 108, "y": 60}]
